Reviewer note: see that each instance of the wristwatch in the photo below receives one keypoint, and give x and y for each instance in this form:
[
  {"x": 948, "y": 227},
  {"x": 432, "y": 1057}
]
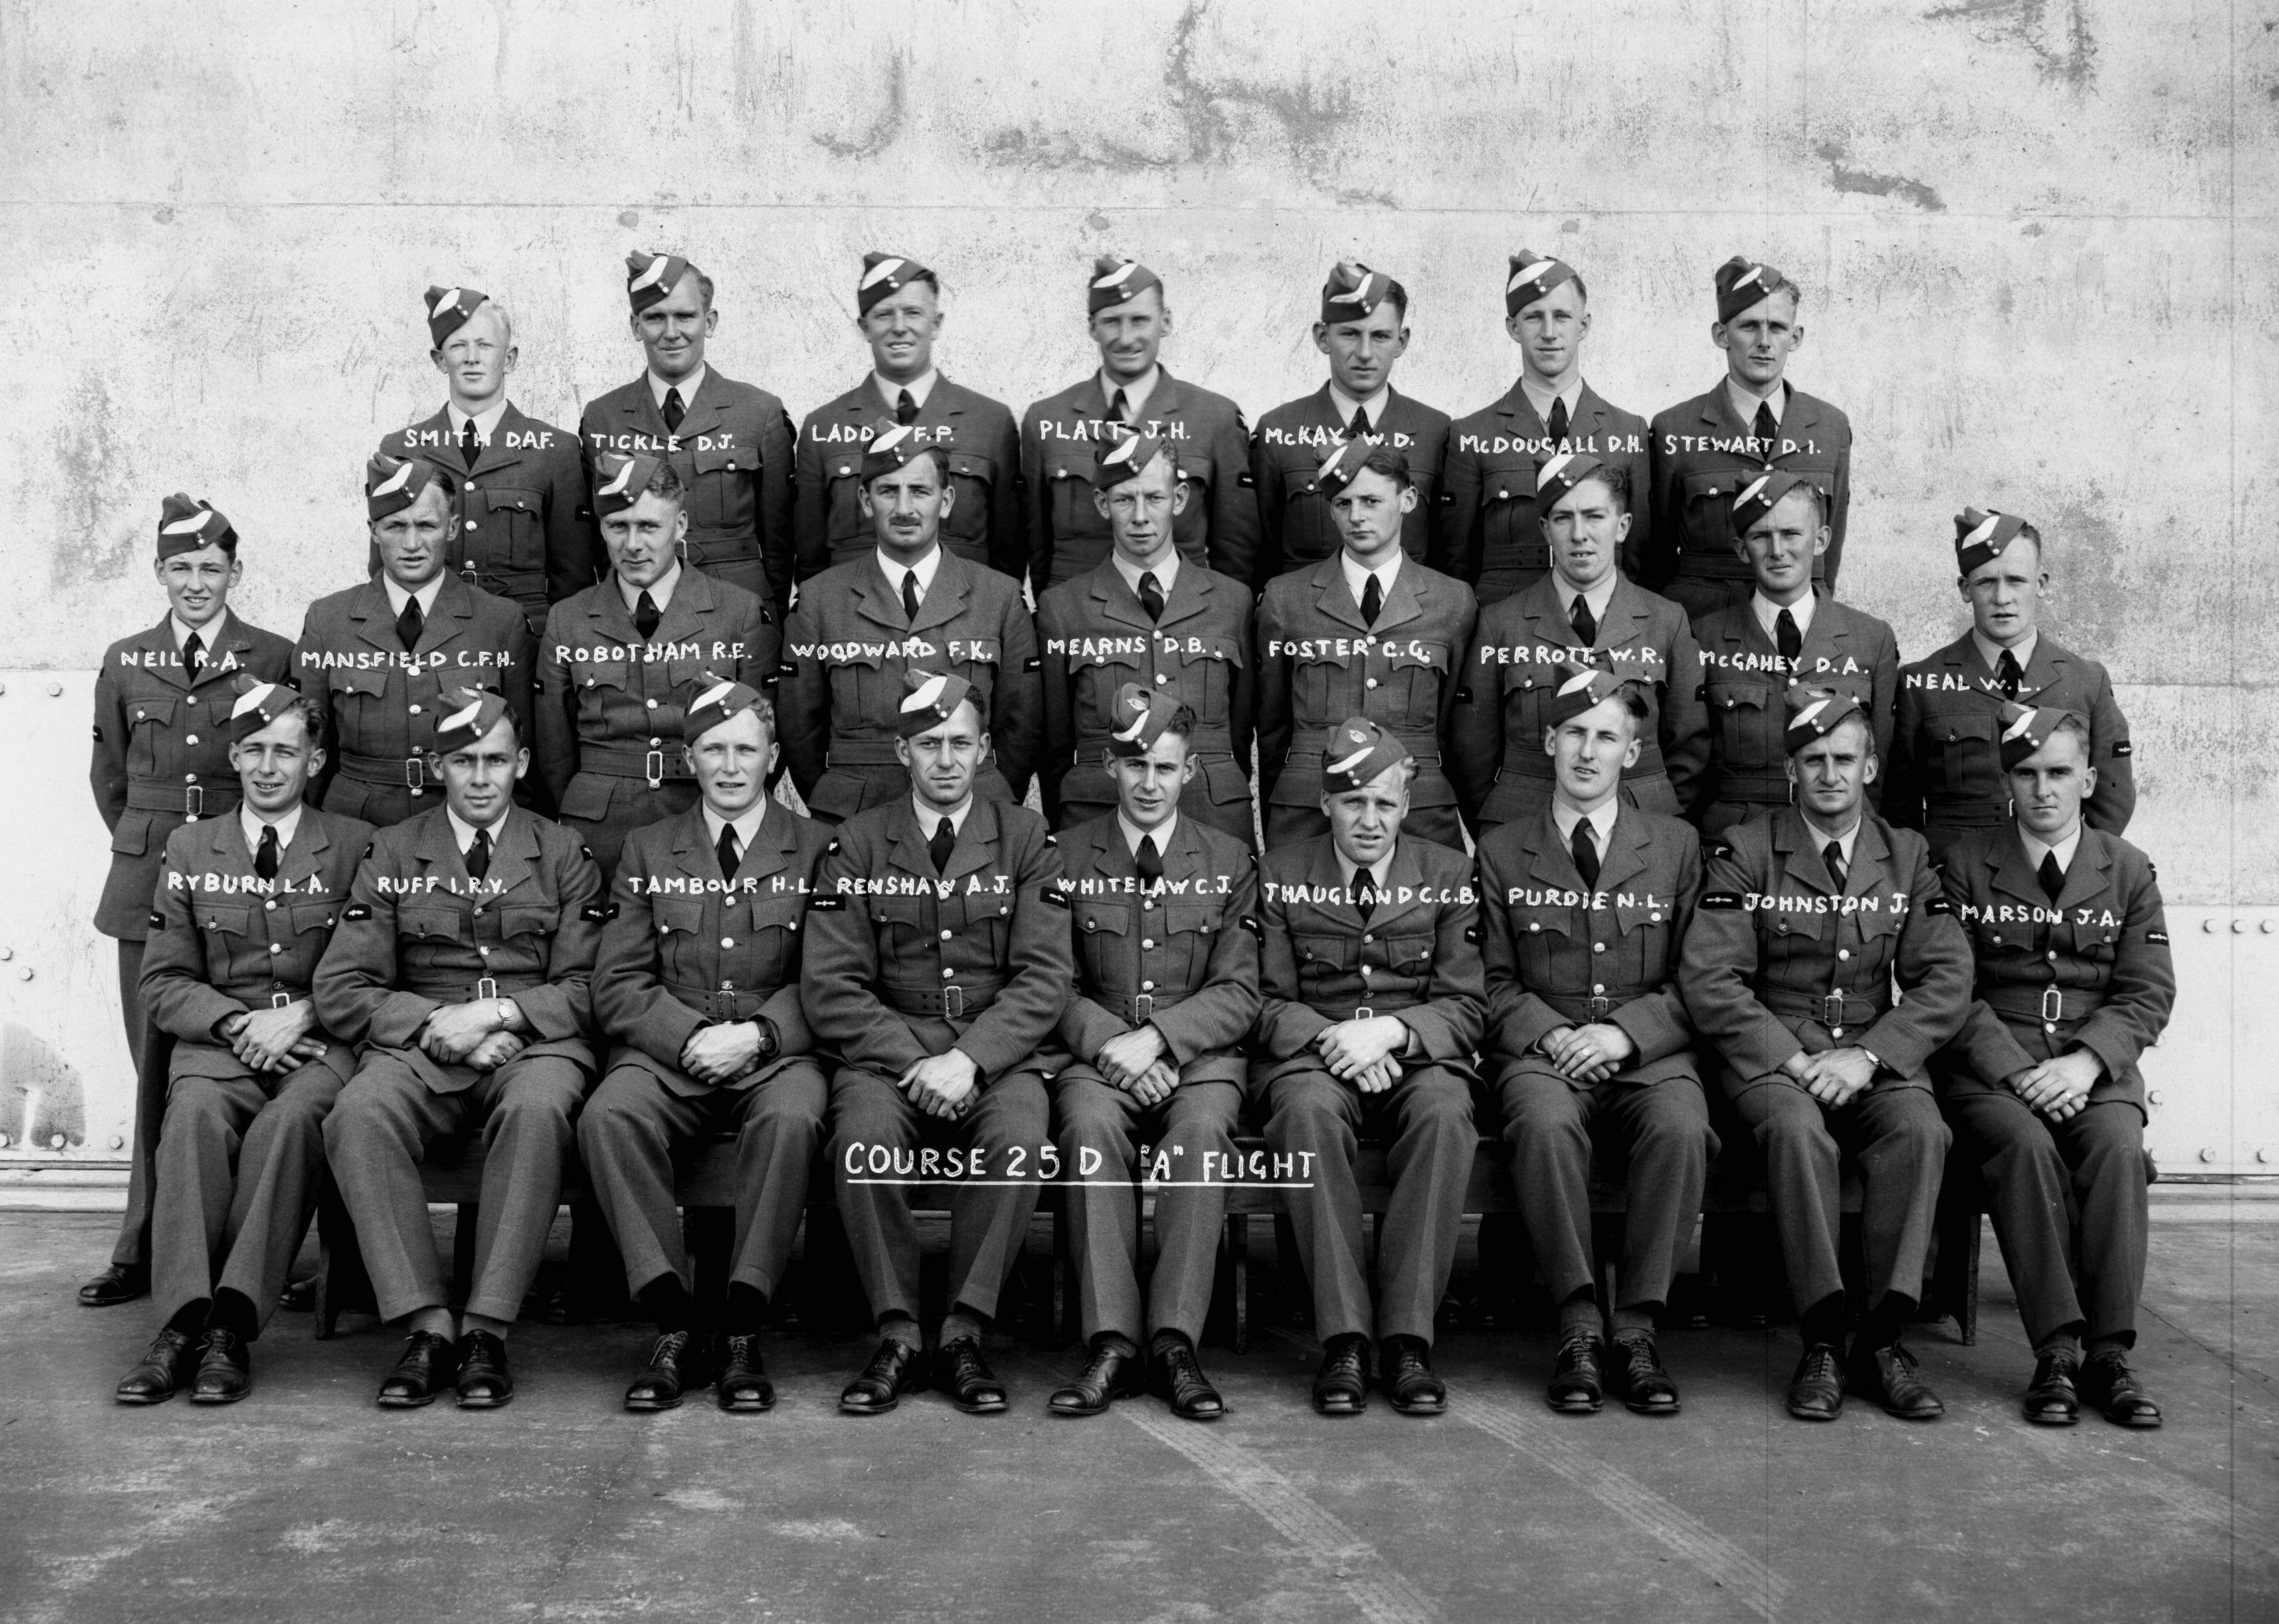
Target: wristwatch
[
  {"x": 1873, "y": 1059},
  {"x": 507, "y": 1012}
]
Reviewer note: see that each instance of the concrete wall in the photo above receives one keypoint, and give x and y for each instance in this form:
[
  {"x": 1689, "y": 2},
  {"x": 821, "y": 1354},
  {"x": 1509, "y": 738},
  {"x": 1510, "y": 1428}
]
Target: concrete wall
[{"x": 2037, "y": 234}]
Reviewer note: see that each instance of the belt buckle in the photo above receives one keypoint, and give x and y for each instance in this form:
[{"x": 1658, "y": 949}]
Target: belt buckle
[
  {"x": 2053, "y": 1004},
  {"x": 488, "y": 987},
  {"x": 467, "y": 570},
  {"x": 1143, "y": 1007},
  {"x": 415, "y": 773},
  {"x": 1831, "y": 1010},
  {"x": 653, "y": 764},
  {"x": 1599, "y": 1007},
  {"x": 952, "y": 1003},
  {"x": 194, "y": 799},
  {"x": 280, "y": 1000},
  {"x": 1364, "y": 1013}
]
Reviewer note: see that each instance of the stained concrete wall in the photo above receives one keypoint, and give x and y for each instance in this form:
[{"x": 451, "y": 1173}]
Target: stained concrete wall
[{"x": 2037, "y": 236}]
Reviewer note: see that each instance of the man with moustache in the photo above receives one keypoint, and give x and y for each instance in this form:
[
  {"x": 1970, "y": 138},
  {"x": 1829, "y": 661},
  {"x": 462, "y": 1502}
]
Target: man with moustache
[
  {"x": 243, "y": 910},
  {"x": 1165, "y": 911},
  {"x": 1149, "y": 616},
  {"x": 378, "y": 659},
  {"x": 526, "y": 535},
  {"x": 730, "y": 444},
  {"x": 461, "y": 968},
  {"x": 1371, "y": 632},
  {"x": 698, "y": 981},
  {"x": 1706, "y": 450},
  {"x": 1492, "y": 531},
  {"x": 620, "y": 659},
  {"x": 938, "y": 964},
  {"x": 1513, "y": 664},
  {"x": 1807, "y": 919},
  {"x": 1785, "y": 636},
  {"x": 898, "y": 312},
  {"x": 910, "y": 603},
  {"x": 2074, "y": 979},
  {"x": 161, "y": 761},
  {"x": 1947, "y": 765},
  {"x": 1582, "y": 911},
  {"x": 1371, "y": 1006},
  {"x": 1068, "y": 536}
]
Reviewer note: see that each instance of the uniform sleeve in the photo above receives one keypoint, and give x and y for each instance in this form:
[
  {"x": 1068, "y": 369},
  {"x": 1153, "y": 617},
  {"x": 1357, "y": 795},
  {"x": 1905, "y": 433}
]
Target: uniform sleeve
[
  {"x": 1659, "y": 561},
  {"x": 810, "y": 506},
  {"x": 2109, "y": 809},
  {"x": 1639, "y": 542},
  {"x": 1274, "y": 719},
  {"x": 1657, "y": 1022},
  {"x": 775, "y": 506},
  {"x": 1218, "y": 1014},
  {"x": 1266, "y": 482},
  {"x": 575, "y": 558},
  {"x": 1715, "y": 968},
  {"x": 1041, "y": 966},
  {"x": 631, "y": 1002},
  {"x": 1839, "y": 509},
  {"x": 517, "y": 682},
  {"x": 106, "y": 773},
  {"x": 564, "y": 1007},
  {"x": 1235, "y": 544},
  {"x": 1057, "y": 701},
  {"x": 1287, "y": 1025},
  {"x": 1904, "y": 766},
  {"x": 1018, "y": 702},
  {"x": 1517, "y": 1020},
  {"x": 1242, "y": 693},
  {"x": 310, "y": 677},
  {"x": 1468, "y": 624},
  {"x": 176, "y": 994},
  {"x": 1685, "y": 722},
  {"x": 2141, "y": 992},
  {"x": 556, "y": 723},
  {"x": 354, "y": 988},
  {"x": 1475, "y": 732},
  {"x": 803, "y": 704},
  {"x": 1435, "y": 508},
  {"x": 1883, "y": 697},
  {"x": 1460, "y": 532},
  {"x": 1036, "y": 502},
  {"x": 839, "y": 974},
  {"x": 1934, "y": 973},
  {"x": 762, "y": 662},
  {"x": 1009, "y": 542}
]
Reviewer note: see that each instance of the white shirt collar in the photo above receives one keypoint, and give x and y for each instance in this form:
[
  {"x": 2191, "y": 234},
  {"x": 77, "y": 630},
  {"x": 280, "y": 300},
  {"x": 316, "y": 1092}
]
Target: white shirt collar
[
  {"x": 1136, "y": 394},
  {"x": 1564, "y": 817},
  {"x": 209, "y": 634},
  {"x": 748, "y": 826},
  {"x": 920, "y": 387},
  {"x": 926, "y": 568},
  {"x": 688, "y": 386},
  {"x": 1767, "y": 612},
  {"x": 464, "y": 832},
  {"x": 1374, "y": 406},
  {"x": 660, "y": 592},
  {"x": 1744, "y": 404},
  {"x": 287, "y": 825},
  {"x": 929, "y": 819},
  {"x": 1992, "y": 652},
  {"x": 487, "y": 421},
  {"x": 397, "y": 596},
  {"x": 1357, "y": 578},
  {"x": 1162, "y": 832},
  {"x": 2065, "y": 848},
  {"x": 1844, "y": 842},
  {"x": 1597, "y": 597},
  {"x": 1542, "y": 399},
  {"x": 1165, "y": 572},
  {"x": 1377, "y": 870}
]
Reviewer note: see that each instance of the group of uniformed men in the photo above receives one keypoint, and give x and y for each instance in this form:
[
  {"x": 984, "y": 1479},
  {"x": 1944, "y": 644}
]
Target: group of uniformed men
[{"x": 1729, "y": 852}]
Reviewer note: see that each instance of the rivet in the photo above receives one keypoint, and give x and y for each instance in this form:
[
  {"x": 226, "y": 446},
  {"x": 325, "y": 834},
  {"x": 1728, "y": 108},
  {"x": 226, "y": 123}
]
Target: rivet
[
  {"x": 24, "y": 974},
  {"x": 4, "y": 1141},
  {"x": 118, "y": 1142},
  {"x": 2207, "y": 1151},
  {"x": 2207, "y": 924},
  {"x": 57, "y": 1143},
  {"x": 2154, "y": 1096},
  {"x": 54, "y": 690}
]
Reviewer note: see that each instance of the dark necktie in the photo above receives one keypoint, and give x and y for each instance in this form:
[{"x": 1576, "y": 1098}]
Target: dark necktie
[
  {"x": 1150, "y": 864},
  {"x": 1372, "y": 600},
  {"x": 265, "y": 856},
  {"x": 1585, "y": 846},
  {"x": 1119, "y": 411},
  {"x": 1832, "y": 854},
  {"x": 674, "y": 411},
  {"x": 1766, "y": 431},
  {"x": 1586, "y": 624},
  {"x": 478, "y": 853},
  {"x": 645, "y": 617},
  {"x": 1555, "y": 424},
  {"x": 911, "y": 595},
  {"x": 1358, "y": 429},
  {"x": 470, "y": 446},
  {"x": 409, "y": 624},
  {"x": 194, "y": 654},
  {"x": 944, "y": 839},
  {"x": 906, "y": 409},
  {"x": 1151, "y": 595},
  {"x": 1365, "y": 894},
  {"x": 726, "y": 850},
  {"x": 2006, "y": 672},
  {"x": 2053, "y": 878},
  {"x": 1785, "y": 631}
]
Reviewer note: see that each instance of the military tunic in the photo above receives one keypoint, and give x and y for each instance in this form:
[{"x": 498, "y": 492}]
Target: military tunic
[
  {"x": 984, "y": 525},
  {"x": 1491, "y": 533},
  {"x": 1291, "y": 440}
]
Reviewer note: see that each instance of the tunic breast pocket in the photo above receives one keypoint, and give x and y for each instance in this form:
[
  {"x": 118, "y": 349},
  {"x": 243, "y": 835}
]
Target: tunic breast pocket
[
  {"x": 1191, "y": 527},
  {"x": 974, "y": 478},
  {"x": 1100, "y": 674},
  {"x": 844, "y": 528},
  {"x": 1969, "y": 758},
  {"x": 1878, "y": 930},
  {"x": 1323, "y": 682},
  {"x": 1508, "y": 531},
  {"x": 1705, "y": 501},
  {"x": 1067, "y": 476},
  {"x": 1407, "y": 964},
  {"x": 723, "y": 497},
  {"x": 356, "y": 696},
  {"x": 1103, "y": 929},
  {"x": 432, "y": 936},
  {"x": 680, "y": 942},
  {"x": 1795, "y": 939},
  {"x": 903, "y": 925},
  {"x": 1747, "y": 721},
  {"x": 218, "y": 920},
  {"x": 512, "y": 530},
  {"x": 152, "y": 744},
  {"x": 1207, "y": 669},
  {"x": 1416, "y": 671},
  {"x": 2094, "y": 943},
  {"x": 1193, "y": 930},
  {"x": 775, "y": 926},
  {"x": 978, "y": 924},
  {"x": 858, "y": 686},
  {"x": 318, "y": 918},
  {"x": 1325, "y": 965},
  {"x": 1645, "y": 938}
]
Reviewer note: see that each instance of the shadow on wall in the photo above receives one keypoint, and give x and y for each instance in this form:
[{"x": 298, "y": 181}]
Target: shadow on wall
[{"x": 41, "y": 1096}]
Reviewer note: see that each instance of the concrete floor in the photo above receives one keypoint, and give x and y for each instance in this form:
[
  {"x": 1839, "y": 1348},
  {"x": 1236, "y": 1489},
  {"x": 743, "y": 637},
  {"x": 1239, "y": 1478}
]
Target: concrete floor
[{"x": 306, "y": 1503}]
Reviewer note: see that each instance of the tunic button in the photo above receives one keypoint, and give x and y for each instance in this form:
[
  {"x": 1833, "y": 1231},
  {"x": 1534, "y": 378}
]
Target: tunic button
[
  {"x": 1598, "y": 986},
  {"x": 655, "y": 742},
  {"x": 2049, "y": 1026},
  {"x": 1159, "y": 677},
  {"x": 1653, "y": 918},
  {"x": 1843, "y": 952},
  {"x": 1146, "y": 907},
  {"x": 1367, "y": 936},
  {"x": 1598, "y": 946},
  {"x": 1146, "y": 986},
  {"x": 1533, "y": 925},
  {"x": 190, "y": 777},
  {"x": 1503, "y": 495},
  {"x": 1369, "y": 682},
  {"x": 1146, "y": 942},
  {"x": 472, "y": 524},
  {"x": 652, "y": 704},
  {"x": 141, "y": 715},
  {"x": 415, "y": 710},
  {"x": 727, "y": 941},
  {"x": 2053, "y": 955},
  {"x": 271, "y": 906},
  {"x": 276, "y": 946},
  {"x": 947, "y": 973},
  {"x": 471, "y": 485},
  {"x": 190, "y": 739},
  {"x": 478, "y": 912},
  {"x": 727, "y": 987},
  {"x": 484, "y": 951},
  {"x": 1088, "y": 924}
]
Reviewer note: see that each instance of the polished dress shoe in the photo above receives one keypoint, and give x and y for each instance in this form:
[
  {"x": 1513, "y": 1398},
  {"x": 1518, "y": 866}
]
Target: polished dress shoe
[
  {"x": 427, "y": 1365},
  {"x": 743, "y": 1379},
  {"x": 483, "y": 1382},
  {"x": 1408, "y": 1379},
  {"x": 121, "y": 1283},
  {"x": 1341, "y": 1385},
  {"x": 1175, "y": 1372},
  {"x": 1577, "y": 1386},
  {"x": 2110, "y": 1387},
  {"x": 960, "y": 1372},
  {"x": 895, "y": 1368},
  {"x": 675, "y": 1365},
  {"x": 1644, "y": 1386},
  {"x": 160, "y": 1373},
  {"x": 1887, "y": 1374},
  {"x": 2051, "y": 1397},
  {"x": 224, "y": 1368},
  {"x": 1108, "y": 1375},
  {"x": 1815, "y": 1392}
]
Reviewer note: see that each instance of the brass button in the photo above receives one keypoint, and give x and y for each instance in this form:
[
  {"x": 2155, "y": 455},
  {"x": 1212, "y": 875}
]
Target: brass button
[
  {"x": 1087, "y": 925},
  {"x": 1146, "y": 986},
  {"x": 1598, "y": 986},
  {"x": 727, "y": 987},
  {"x": 1843, "y": 952},
  {"x": 1146, "y": 942},
  {"x": 190, "y": 739},
  {"x": 1598, "y": 946},
  {"x": 271, "y": 907},
  {"x": 1370, "y": 682},
  {"x": 415, "y": 710},
  {"x": 727, "y": 941},
  {"x": 276, "y": 947},
  {"x": 947, "y": 973}
]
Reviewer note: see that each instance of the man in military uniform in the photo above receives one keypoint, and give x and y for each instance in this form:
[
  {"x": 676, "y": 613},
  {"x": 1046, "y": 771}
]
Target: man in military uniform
[
  {"x": 898, "y": 310},
  {"x": 619, "y": 660},
  {"x": 1785, "y": 636},
  {"x": 378, "y": 660},
  {"x": 938, "y": 964},
  {"x": 1491, "y": 530},
  {"x": 1807, "y": 917},
  {"x": 1371, "y": 1007},
  {"x": 1371, "y": 632},
  {"x": 1706, "y": 450},
  {"x": 526, "y": 535},
  {"x": 1068, "y": 536},
  {"x": 698, "y": 981},
  {"x": 2041, "y": 1088},
  {"x": 909, "y": 602},
  {"x": 1946, "y": 764},
  {"x": 1146, "y": 615},
  {"x": 1165, "y": 911},
  {"x": 729, "y": 443},
  {"x": 1582, "y": 911},
  {"x": 243, "y": 909},
  {"x": 1364, "y": 330},
  {"x": 461, "y": 967},
  {"x": 1513, "y": 666},
  {"x": 161, "y": 761}
]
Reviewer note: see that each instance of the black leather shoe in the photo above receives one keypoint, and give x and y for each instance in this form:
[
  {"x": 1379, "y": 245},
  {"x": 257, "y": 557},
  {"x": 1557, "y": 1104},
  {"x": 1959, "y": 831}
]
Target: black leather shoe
[
  {"x": 1106, "y": 1376},
  {"x": 962, "y": 1373},
  {"x": 676, "y": 1364},
  {"x": 1888, "y": 1376},
  {"x": 299, "y": 1296},
  {"x": 2051, "y": 1398},
  {"x": 1577, "y": 1387},
  {"x": 224, "y": 1368},
  {"x": 1644, "y": 1386},
  {"x": 483, "y": 1382},
  {"x": 1341, "y": 1385},
  {"x": 160, "y": 1373},
  {"x": 1815, "y": 1392},
  {"x": 2110, "y": 1387},
  {"x": 743, "y": 1379},
  {"x": 121, "y": 1283},
  {"x": 428, "y": 1364},
  {"x": 1408, "y": 1379},
  {"x": 1175, "y": 1372},
  {"x": 895, "y": 1368}
]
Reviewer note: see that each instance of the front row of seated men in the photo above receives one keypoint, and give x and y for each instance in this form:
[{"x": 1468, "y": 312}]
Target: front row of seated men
[{"x": 943, "y": 992}]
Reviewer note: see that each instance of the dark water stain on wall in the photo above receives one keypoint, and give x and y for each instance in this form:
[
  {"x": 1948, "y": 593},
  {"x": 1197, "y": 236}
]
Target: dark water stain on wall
[{"x": 2063, "y": 46}]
